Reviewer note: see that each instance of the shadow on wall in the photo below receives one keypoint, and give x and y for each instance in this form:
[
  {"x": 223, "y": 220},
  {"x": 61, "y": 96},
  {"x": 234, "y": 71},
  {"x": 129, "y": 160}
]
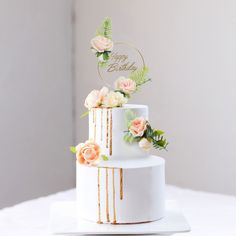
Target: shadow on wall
[{"x": 35, "y": 99}]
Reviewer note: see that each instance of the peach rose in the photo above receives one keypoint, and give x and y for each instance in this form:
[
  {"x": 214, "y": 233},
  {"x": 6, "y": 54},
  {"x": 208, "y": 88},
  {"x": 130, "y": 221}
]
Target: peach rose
[
  {"x": 88, "y": 153},
  {"x": 95, "y": 98},
  {"x": 128, "y": 86},
  {"x": 114, "y": 99},
  {"x": 138, "y": 127},
  {"x": 101, "y": 44},
  {"x": 145, "y": 144}
]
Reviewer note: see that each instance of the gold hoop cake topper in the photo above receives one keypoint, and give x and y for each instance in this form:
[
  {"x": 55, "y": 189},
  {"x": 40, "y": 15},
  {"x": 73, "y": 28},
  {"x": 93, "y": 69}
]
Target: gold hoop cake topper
[{"x": 123, "y": 60}]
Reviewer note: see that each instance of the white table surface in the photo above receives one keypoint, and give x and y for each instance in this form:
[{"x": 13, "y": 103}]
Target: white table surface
[{"x": 208, "y": 214}]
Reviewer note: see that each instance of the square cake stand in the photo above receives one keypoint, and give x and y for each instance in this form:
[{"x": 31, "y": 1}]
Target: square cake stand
[{"x": 63, "y": 220}]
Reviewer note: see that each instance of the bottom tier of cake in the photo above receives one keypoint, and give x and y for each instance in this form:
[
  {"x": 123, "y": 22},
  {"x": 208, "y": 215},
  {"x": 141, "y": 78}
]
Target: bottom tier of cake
[{"x": 124, "y": 192}]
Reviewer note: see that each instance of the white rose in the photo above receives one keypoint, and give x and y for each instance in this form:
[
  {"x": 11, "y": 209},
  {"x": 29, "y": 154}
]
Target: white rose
[
  {"x": 92, "y": 99},
  {"x": 145, "y": 144},
  {"x": 101, "y": 44},
  {"x": 103, "y": 92},
  {"x": 114, "y": 99},
  {"x": 95, "y": 98},
  {"x": 126, "y": 85}
]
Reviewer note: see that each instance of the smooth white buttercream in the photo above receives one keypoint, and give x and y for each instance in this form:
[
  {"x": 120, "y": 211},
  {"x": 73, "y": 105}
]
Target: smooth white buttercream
[
  {"x": 121, "y": 150},
  {"x": 143, "y": 191}
]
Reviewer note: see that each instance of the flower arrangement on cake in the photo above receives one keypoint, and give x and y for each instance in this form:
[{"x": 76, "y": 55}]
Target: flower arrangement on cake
[
  {"x": 140, "y": 131},
  {"x": 116, "y": 154},
  {"x": 123, "y": 89}
]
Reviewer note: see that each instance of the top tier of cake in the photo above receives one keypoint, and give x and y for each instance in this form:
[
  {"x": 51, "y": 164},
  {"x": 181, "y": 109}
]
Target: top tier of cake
[{"x": 107, "y": 127}]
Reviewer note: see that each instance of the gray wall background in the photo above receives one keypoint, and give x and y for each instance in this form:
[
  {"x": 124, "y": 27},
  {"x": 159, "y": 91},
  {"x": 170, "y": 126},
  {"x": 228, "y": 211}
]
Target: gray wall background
[
  {"x": 35, "y": 99},
  {"x": 190, "y": 48}
]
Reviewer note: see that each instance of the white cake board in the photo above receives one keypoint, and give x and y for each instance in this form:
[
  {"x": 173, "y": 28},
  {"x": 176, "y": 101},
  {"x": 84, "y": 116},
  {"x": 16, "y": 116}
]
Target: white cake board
[{"x": 63, "y": 220}]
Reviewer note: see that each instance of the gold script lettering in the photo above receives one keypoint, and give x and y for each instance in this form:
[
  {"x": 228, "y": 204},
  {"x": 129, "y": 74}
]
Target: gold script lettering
[
  {"x": 116, "y": 58},
  {"x": 114, "y": 67}
]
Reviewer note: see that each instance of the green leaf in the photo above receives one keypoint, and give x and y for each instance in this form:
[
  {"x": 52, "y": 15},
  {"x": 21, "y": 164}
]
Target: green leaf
[
  {"x": 105, "y": 56},
  {"x": 98, "y": 54},
  {"x": 105, "y": 158},
  {"x": 84, "y": 114},
  {"x": 158, "y": 133},
  {"x": 149, "y": 132},
  {"x": 73, "y": 149}
]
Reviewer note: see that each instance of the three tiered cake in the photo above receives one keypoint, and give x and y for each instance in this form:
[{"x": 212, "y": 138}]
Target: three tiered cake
[{"x": 118, "y": 181}]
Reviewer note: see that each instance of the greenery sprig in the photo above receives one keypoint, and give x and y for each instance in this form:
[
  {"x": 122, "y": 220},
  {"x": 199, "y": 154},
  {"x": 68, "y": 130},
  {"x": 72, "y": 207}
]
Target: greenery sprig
[
  {"x": 153, "y": 136},
  {"x": 140, "y": 76},
  {"x": 156, "y": 137},
  {"x": 105, "y": 29}
]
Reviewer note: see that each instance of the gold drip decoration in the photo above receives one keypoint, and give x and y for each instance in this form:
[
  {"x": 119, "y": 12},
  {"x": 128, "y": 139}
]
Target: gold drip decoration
[
  {"x": 121, "y": 184},
  {"x": 114, "y": 196},
  {"x": 93, "y": 110},
  {"x": 94, "y": 125},
  {"x": 107, "y": 197},
  {"x": 101, "y": 123},
  {"x": 110, "y": 148},
  {"x": 107, "y": 128},
  {"x": 99, "y": 199}
]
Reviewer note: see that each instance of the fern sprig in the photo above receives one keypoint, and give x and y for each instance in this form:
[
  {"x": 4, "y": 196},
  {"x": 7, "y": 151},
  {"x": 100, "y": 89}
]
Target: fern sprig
[
  {"x": 140, "y": 76},
  {"x": 160, "y": 144},
  {"x": 106, "y": 28}
]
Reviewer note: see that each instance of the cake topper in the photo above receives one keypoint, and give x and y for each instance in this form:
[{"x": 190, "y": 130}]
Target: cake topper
[
  {"x": 123, "y": 60},
  {"x": 115, "y": 59}
]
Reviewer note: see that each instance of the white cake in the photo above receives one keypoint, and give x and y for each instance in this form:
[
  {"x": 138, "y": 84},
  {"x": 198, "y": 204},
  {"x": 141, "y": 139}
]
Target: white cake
[
  {"x": 118, "y": 181},
  {"x": 129, "y": 187}
]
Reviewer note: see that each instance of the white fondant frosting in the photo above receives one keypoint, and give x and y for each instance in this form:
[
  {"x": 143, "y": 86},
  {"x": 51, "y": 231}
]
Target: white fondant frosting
[
  {"x": 129, "y": 187},
  {"x": 142, "y": 185},
  {"x": 107, "y": 128}
]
